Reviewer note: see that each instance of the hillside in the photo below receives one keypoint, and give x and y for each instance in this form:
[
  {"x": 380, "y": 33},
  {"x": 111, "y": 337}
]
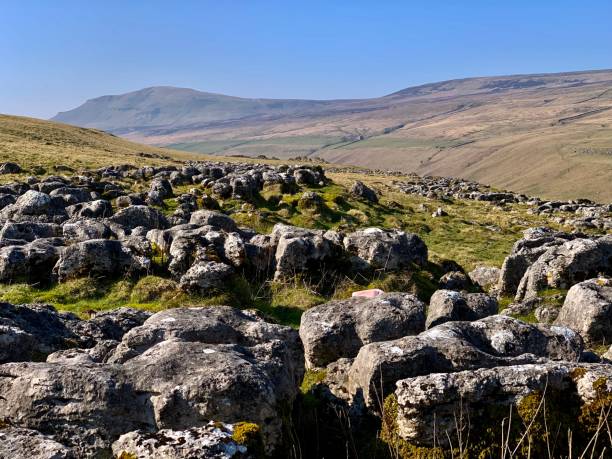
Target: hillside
[
  {"x": 33, "y": 142},
  {"x": 547, "y": 135}
]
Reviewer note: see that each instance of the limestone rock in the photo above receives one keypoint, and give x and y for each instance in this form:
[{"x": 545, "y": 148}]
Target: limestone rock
[
  {"x": 340, "y": 328},
  {"x": 449, "y": 305},
  {"x": 588, "y": 310},
  {"x": 455, "y": 346}
]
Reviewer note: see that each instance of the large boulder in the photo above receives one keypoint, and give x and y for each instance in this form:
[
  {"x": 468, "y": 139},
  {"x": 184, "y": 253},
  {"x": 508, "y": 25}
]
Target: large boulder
[
  {"x": 455, "y": 280},
  {"x": 178, "y": 370},
  {"x": 340, "y": 328},
  {"x": 206, "y": 276},
  {"x": 33, "y": 331},
  {"x": 159, "y": 190},
  {"x": 32, "y": 262},
  {"x": 29, "y": 231},
  {"x": 428, "y": 406},
  {"x": 9, "y": 168},
  {"x": 299, "y": 249},
  {"x": 99, "y": 208},
  {"x": 386, "y": 249},
  {"x": 564, "y": 265},
  {"x": 524, "y": 253},
  {"x": 35, "y": 206},
  {"x": 98, "y": 257},
  {"x": 213, "y": 218},
  {"x": 84, "y": 406},
  {"x": 135, "y": 216},
  {"x": 588, "y": 310},
  {"x": 84, "y": 230},
  {"x": 72, "y": 195},
  {"x": 455, "y": 346},
  {"x": 112, "y": 325},
  {"x": 449, "y": 305},
  {"x": 214, "y": 363}
]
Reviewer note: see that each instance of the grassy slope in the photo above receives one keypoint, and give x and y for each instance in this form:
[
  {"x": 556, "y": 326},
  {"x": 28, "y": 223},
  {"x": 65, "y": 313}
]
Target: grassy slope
[{"x": 31, "y": 142}]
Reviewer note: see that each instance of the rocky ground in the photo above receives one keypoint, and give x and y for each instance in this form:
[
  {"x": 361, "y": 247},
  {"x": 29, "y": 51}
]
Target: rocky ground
[{"x": 205, "y": 311}]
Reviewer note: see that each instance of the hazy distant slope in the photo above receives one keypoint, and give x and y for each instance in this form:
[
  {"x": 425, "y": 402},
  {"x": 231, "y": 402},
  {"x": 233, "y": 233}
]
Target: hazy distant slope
[
  {"x": 167, "y": 107},
  {"x": 548, "y": 134}
]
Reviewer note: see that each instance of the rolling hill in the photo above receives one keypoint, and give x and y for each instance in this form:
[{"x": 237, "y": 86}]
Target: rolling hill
[
  {"x": 33, "y": 142},
  {"x": 542, "y": 134}
]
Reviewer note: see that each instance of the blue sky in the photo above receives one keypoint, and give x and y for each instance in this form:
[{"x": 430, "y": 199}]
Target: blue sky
[{"x": 56, "y": 54}]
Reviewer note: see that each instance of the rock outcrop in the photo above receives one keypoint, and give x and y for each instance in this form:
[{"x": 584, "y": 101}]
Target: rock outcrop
[
  {"x": 449, "y": 305},
  {"x": 455, "y": 346},
  {"x": 340, "y": 328},
  {"x": 588, "y": 310},
  {"x": 177, "y": 371}
]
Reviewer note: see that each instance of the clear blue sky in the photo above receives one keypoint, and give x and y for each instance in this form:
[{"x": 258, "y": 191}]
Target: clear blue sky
[{"x": 55, "y": 54}]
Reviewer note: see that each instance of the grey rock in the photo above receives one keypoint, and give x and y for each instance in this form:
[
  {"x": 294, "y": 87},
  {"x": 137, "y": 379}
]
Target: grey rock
[
  {"x": 32, "y": 262},
  {"x": 21, "y": 443},
  {"x": 524, "y": 253},
  {"x": 33, "y": 331},
  {"x": 456, "y": 346},
  {"x": 486, "y": 277},
  {"x": 84, "y": 230},
  {"x": 129, "y": 200},
  {"x": 567, "y": 264},
  {"x": 29, "y": 231},
  {"x": 99, "y": 353},
  {"x": 72, "y": 195},
  {"x": 205, "y": 276},
  {"x": 305, "y": 177},
  {"x": 159, "y": 190},
  {"x": 134, "y": 216},
  {"x": 83, "y": 406},
  {"x": 212, "y": 441},
  {"x": 299, "y": 249},
  {"x": 36, "y": 207},
  {"x": 340, "y": 328},
  {"x": 588, "y": 310},
  {"x": 116, "y": 323},
  {"x": 9, "y": 168},
  {"x": 98, "y": 257},
  {"x": 386, "y": 249},
  {"x": 214, "y": 363},
  {"x": 428, "y": 405},
  {"x": 455, "y": 280},
  {"x": 213, "y": 218},
  {"x": 6, "y": 200},
  {"x": 99, "y": 208},
  {"x": 360, "y": 190},
  {"x": 449, "y": 305}
]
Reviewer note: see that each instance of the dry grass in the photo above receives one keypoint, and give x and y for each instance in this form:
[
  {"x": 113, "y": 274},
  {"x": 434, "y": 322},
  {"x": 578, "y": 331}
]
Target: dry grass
[{"x": 32, "y": 142}]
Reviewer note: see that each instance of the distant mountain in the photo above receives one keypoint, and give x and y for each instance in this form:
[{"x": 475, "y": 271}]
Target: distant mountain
[
  {"x": 168, "y": 107},
  {"x": 544, "y": 134}
]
